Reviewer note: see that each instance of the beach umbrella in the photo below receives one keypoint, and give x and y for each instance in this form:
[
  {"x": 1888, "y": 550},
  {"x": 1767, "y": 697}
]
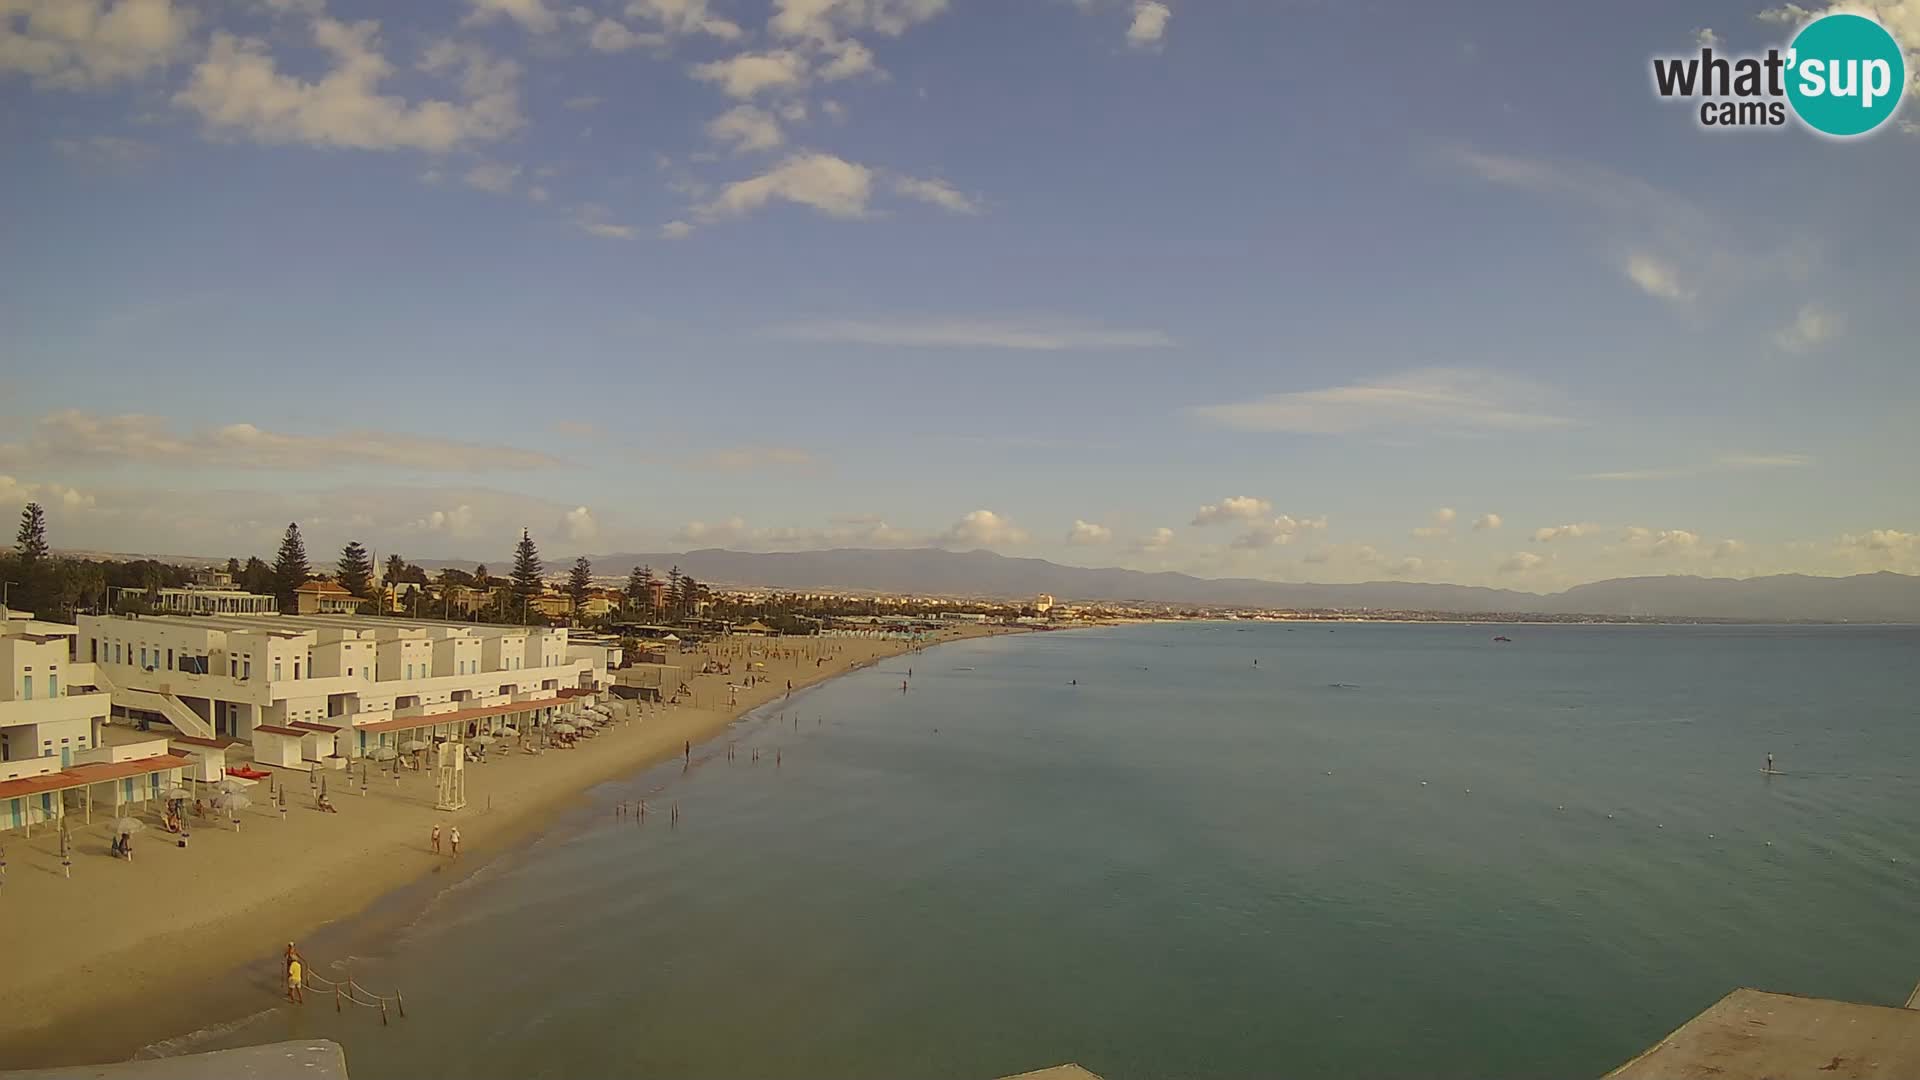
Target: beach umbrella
[
  {"x": 509, "y": 729},
  {"x": 129, "y": 825},
  {"x": 486, "y": 740},
  {"x": 178, "y": 793},
  {"x": 230, "y": 786},
  {"x": 383, "y": 753},
  {"x": 233, "y": 802},
  {"x": 585, "y": 722},
  {"x": 412, "y": 745},
  {"x": 564, "y": 728}
]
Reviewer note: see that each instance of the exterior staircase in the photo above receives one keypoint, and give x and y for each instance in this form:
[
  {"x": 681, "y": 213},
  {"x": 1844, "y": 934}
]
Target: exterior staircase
[{"x": 171, "y": 708}]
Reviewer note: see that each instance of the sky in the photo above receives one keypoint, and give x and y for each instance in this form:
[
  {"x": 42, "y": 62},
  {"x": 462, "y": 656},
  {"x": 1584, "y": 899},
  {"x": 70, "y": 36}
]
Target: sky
[{"x": 1293, "y": 289}]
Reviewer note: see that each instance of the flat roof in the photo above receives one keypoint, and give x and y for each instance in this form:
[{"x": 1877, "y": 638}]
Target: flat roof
[
  {"x": 459, "y": 716},
  {"x": 211, "y": 744},
  {"x": 273, "y": 729},
  {"x": 1753, "y": 1034},
  {"x": 95, "y": 772}
]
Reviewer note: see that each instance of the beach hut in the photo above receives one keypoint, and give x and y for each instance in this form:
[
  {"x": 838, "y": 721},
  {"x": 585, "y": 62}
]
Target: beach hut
[{"x": 279, "y": 746}]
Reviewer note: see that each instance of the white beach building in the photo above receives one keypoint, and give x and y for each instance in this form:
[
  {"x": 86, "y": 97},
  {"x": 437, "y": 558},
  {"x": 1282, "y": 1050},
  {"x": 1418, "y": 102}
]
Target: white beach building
[{"x": 330, "y": 686}]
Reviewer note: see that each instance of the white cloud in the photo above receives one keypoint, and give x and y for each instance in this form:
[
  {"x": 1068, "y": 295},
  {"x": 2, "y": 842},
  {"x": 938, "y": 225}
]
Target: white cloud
[
  {"x": 89, "y": 44},
  {"x": 747, "y": 128},
  {"x": 1706, "y": 38},
  {"x": 457, "y": 522},
  {"x": 494, "y": 176},
  {"x": 607, "y": 230},
  {"x": 532, "y": 14},
  {"x": 675, "y": 230},
  {"x": 1280, "y": 530},
  {"x": 612, "y": 36},
  {"x": 1658, "y": 543},
  {"x": 15, "y": 493},
  {"x": 1088, "y": 534},
  {"x": 1440, "y": 524},
  {"x": 1727, "y": 549},
  {"x": 584, "y": 101},
  {"x": 1156, "y": 541},
  {"x": 831, "y": 185},
  {"x": 1486, "y": 522},
  {"x": 741, "y": 458},
  {"x": 1235, "y": 508},
  {"x": 1656, "y": 278},
  {"x": 1721, "y": 463},
  {"x": 1812, "y": 327},
  {"x": 711, "y": 533},
  {"x": 239, "y": 90},
  {"x": 1562, "y": 532},
  {"x": 579, "y": 525},
  {"x": 1406, "y": 567},
  {"x": 1885, "y": 548},
  {"x": 1520, "y": 562},
  {"x": 847, "y": 59},
  {"x": 938, "y": 192},
  {"x": 826, "y": 20},
  {"x": 1037, "y": 335},
  {"x": 684, "y": 17},
  {"x": 1149, "y": 23},
  {"x": 749, "y": 74},
  {"x": 982, "y": 529},
  {"x": 71, "y": 436},
  {"x": 1442, "y": 399}
]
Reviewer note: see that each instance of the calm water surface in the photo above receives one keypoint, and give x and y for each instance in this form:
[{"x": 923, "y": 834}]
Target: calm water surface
[{"x": 1381, "y": 851}]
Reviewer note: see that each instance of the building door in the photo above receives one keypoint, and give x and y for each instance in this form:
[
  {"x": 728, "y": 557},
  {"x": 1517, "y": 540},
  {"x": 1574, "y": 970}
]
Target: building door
[{"x": 66, "y": 756}]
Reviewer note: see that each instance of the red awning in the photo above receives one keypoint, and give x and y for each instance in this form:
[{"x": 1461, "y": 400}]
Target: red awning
[{"x": 98, "y": 772}]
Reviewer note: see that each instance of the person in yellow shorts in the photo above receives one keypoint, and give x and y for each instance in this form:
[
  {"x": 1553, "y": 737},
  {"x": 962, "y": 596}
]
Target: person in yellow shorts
[{"x": 294, "y": 993}]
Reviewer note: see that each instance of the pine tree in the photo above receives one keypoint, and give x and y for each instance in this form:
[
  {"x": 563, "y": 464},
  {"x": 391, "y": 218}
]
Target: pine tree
[
  {"x": 675, "y": 597},
  {"x": 640, "y": 589},
  {"x": 290, "y": 569},
  {"x": 356, "y": 570},
  {"x": 31, "y": 541},
  {"x": 689, "y": 597},
  {"x": 579, "y": 583},
  {"x": 526, "y": 567}
]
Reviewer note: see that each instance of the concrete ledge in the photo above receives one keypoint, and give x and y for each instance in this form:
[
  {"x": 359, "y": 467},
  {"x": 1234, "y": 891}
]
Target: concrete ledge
[{"x": 308, "y": 1059}]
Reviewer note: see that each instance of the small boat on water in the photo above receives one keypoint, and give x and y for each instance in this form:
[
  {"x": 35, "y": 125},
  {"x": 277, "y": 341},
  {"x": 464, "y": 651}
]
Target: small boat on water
[{"x": 1503, "y": 637}]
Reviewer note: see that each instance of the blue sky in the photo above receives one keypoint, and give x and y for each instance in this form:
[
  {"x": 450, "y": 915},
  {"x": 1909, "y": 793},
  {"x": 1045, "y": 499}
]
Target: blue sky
[{"x": 1300, "y": 290}]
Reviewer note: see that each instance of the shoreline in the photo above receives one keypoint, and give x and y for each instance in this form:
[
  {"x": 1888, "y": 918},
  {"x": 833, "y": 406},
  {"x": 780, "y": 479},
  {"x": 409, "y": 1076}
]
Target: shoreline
[{"x": 181, "y": 939}]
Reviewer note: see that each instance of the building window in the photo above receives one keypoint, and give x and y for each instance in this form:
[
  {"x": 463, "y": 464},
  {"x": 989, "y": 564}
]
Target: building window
[
  {"x": 276, "y": 669},
  {"x": 246, "y": 668},
  {"x": 26, "y": 684},
  {"x": 169, "y": 659}
]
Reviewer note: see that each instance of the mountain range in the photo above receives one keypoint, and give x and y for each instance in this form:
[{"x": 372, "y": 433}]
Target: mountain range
[{"x": 1878, "y": 597}]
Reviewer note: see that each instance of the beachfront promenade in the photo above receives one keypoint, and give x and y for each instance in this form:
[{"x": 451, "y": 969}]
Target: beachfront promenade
[{"x": 196, "y": 915}]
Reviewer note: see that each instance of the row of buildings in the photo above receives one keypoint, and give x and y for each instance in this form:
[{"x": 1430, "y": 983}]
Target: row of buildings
[{"x": 305, "y": 690}]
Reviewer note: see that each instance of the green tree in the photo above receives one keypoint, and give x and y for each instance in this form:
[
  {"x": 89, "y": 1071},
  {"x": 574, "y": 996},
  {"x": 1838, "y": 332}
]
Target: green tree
[
  {"x": 676, "y": 596},
  {"x": 233, "y": 568},
  {"x": 691, "y": 593},
  {"x": 290, "y": 568},
  {"x": 31, "y": 561},
  {"x": 256, "y": 576},
  {"x": 526, "y": 567},
  {"x": 579, "y": 584},
  {"x": 640, "y": 590},
  {"x": 356, "y": 570},
  {"x": 396, "y": 571}
]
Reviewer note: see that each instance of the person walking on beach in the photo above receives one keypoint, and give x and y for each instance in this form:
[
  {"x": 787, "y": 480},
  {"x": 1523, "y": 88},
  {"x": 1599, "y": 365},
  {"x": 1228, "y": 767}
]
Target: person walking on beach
[
  {"x": 435, "y": 839},
  {"x": 453, "y": 839},
  {"x": 295, "y": 976}
]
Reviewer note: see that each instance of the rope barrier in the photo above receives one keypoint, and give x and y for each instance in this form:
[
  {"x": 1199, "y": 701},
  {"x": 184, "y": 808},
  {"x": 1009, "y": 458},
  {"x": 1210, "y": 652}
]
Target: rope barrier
[{"x": 349, "y": 990}]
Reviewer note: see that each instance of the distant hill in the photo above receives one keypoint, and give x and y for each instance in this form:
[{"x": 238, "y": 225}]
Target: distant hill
[{"x": 1882, "y": 597}]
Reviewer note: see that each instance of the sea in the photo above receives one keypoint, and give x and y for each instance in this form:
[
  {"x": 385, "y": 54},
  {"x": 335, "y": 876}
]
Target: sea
[{"x": 1193, "y": 850}]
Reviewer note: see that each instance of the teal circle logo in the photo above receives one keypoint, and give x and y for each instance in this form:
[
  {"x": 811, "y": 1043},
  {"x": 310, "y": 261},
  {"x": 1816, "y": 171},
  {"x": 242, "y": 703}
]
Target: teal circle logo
[{"x": 1845, "y": 75}]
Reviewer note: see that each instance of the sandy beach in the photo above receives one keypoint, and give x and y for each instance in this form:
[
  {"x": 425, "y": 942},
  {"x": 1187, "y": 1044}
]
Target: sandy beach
[{"x": 84, "y": 953}]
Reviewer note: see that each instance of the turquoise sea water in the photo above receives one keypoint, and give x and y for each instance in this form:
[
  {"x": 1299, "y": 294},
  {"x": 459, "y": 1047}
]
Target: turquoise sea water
[{"x": 1383, "y": 851}]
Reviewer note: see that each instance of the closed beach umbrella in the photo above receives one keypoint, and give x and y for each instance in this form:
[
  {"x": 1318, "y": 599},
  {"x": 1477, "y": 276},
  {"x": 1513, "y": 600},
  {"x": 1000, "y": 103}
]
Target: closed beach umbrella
[
  {"x": 383, "y": 753},
  {"x": 129, "y": 825}
]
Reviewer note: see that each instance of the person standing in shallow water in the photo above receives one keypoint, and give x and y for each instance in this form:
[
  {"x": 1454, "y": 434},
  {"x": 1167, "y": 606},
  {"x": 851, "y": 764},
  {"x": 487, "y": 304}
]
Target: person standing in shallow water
[{"x": 687, "y": 751}]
